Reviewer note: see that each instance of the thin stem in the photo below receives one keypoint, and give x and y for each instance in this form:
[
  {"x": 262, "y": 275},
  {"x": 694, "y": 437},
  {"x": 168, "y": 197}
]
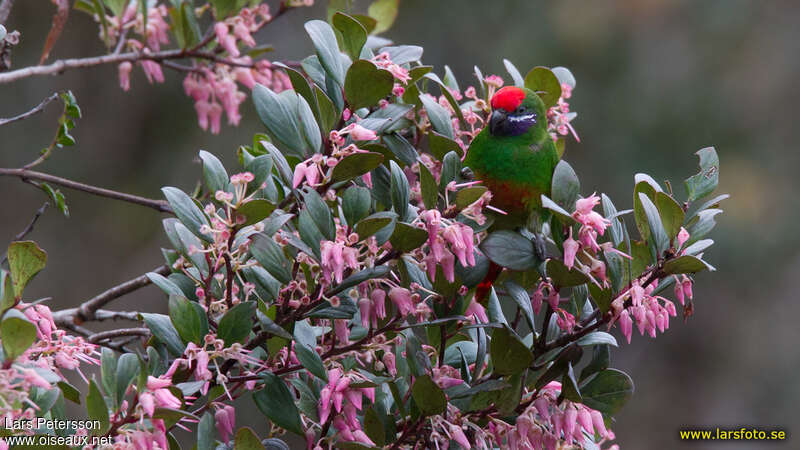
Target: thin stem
[
  {"x": 26, "y": 175},
  {"x": 36, "y": 109},
  {"x": 21, "y": 235}
]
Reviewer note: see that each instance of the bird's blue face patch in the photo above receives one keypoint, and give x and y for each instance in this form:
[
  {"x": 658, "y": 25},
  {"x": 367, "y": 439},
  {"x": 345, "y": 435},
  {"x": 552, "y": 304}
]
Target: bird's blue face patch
[{"x": 515, "y": 123}]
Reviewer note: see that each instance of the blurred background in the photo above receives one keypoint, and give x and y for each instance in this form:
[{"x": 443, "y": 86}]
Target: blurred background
[{"x": 657, "y": 80}]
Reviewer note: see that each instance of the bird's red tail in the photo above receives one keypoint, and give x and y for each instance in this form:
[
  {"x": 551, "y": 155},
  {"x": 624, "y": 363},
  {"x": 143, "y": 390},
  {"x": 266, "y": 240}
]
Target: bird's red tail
[{"x": 482, "y": 290}]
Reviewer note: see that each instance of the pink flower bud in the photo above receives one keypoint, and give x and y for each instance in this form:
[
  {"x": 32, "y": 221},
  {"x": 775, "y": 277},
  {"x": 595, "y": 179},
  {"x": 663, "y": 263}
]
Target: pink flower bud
[
  {"x": 324, "y": 405},
  {"x": 389, "y": 362},
  {"x": 570, "y": 250},
  {"x": 226, "y": 422},
  {"x": 626, "y": 325},
  {"x": 166, "y": 399},
  {"x": 148, "y": 403},
  {"x": 154, "y": 383},
  {"x": 457, "y": 434},
  {"x": 359, "y": 133},
  {"x": 683, "y": 236},
  {"x": 125, "y": 75},
  {"x": 584, "y": 206}
]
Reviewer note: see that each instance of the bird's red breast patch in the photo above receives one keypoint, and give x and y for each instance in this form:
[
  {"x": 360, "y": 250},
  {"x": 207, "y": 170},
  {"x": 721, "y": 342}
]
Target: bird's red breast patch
[{"x": 508, "y": 98}]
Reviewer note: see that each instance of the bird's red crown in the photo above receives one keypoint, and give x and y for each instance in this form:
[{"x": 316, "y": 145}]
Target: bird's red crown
[{"x": 508, "y": 98}]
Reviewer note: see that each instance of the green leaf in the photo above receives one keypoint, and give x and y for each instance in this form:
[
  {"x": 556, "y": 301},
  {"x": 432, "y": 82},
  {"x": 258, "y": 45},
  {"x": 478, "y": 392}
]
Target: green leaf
[
  {"x": 569, "y": 386},
  {"x": 277, "y": 403},
  {"x": 320, "y": 213},
  {"x": 445, "y": 88},
  {"x": 373, "y": 426},
  {"x": 206, "y": 432},
  {"x": 544, "y": 83},
  {"x": 58, "y": 198},
  {"x": 400, "y": 190},
  {"x": 354, "y": 35},
  {"x": 163, "y": 330},
  {"x": 563, "y": 276},
  {"x": 70, "y": 392},
  {"x": 164, "y": 284},
  {"x": 246, "y": 439},
  {"x": 608, "y": 391},
  {"x": 597, "y": 338},
  {"x": 237, "y": 323},
  {"x": 401, "y": 148},
  {"x": 430, "y": 192},
  {"x": 214, "y": 173},
  {"x": 108, "y": 371},
  {"x": 328, "y": 113},
  {"x": 704, "y": 182},
  {"x": 327, "y": 49},
  {"x": 429, "y": 397},
  {"x": 186, "y": 211},
  {"x": 406, "y": 237},
  {"x": 671, "y": 214},
  {"x": 96, "y": 408},
  {"x": 17, "y": 334},
  {"x": 684, "y": 264},
  {"x": 469, "y": 195},
  {"x": 358, "y": 278},
  {"x": 451, "y": 170},
  {"x": 509, "y": 249},
  {"x": 25, "y": 259},
  {"x": 655, "y": 226},
  {"x": 703, "y": 223},
  {"x": 127, "y": 370},
  {"x": 371, "y": 224},
  {"x": 384, "y": 12},
  {"x": 441, "y": 145},
  {"x": 278, "y": 112},
  {"x": 509, "y": 354},
  {"x": 566, "y": 187},
  {"x": 523, "y": 300},
  {"x": 308, "y": 123},
  {"x": 355, "y": 165},
  {"x": 356, "y": 202},
  {"x": 270, "y": 255},
  {"x": 514, "y": 72},
  {"x": 617, "y": 225},
  {"x": 188, "y": 318},
  {"x": 254, "y": 211},
  {"x": 562, "y": 214},
  {"x": 311, "y": 360},
  {"x": 439, "y": 117},
  {"x": 6, "y": 291}
]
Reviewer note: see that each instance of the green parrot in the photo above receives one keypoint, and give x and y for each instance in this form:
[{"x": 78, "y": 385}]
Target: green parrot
[{"x": 514, "y": 157}]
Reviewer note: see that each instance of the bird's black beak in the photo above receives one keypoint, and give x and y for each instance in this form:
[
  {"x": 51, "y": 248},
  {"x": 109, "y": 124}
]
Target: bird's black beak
[{"x": 497, "y": 121}]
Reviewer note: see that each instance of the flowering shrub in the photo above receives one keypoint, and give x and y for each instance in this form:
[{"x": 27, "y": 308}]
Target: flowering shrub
[{"x": 332, "y": 278}]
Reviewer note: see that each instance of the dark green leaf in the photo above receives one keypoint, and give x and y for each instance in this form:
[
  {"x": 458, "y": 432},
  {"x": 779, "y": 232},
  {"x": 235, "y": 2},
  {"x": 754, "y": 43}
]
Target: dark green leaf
[
  {"x": 320, "y": 212},
  {"x": 246, "y": 439},
  {"x": 400, "y": 190},
  {"x": 655, "y": 226},
  {"x": 186, "y": 210},
  {"x": 523, "y": 300},
  {"x": 311, "y": 360},
  {"x": 214, "y": 173},
  {"x": 439, "y": 117},
  {"x": 188, "y": 318},
  {"x": 354, "y": 35},
  {"x": 366, "y": 84},
  {"x": 384, "y": 12},
  {"x": 509, "y": 249},
  {"x": 430, "y": 192},
  {"x": 270, "y": 255},
  {"x": 563, "y": 276},
  {"x": 401, "y": 148},
  {"x": 406, "y": 237},
  {"x": 509, "y": 355},
  {"x": 163, "y": 330},
  {"x": 356, "y": 202},
  {"x": 277, "y": 403},
  {"x": 429, "y": 397},
  {"x": 237, "y": 323},
  {"x": 608, "y": 391},
  {"x": 96, "y": 408},
  {"x": 279, "y": 114},
  {"x": 684, "y": 264},
  {"x": 355, "y": 165},
  {"x": 566, "y": 187},
  {"x": 671, "y": 214},
  {"x": 597, "y": 338},
  {"x": 469, "y": 195},
  {"x": 206, "y": 432}
]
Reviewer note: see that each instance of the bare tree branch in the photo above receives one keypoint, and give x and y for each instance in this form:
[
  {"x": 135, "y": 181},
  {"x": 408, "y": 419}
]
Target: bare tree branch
[
  {"x": 25, "y": 175},
  {"x": 113, "y": 334},
  {"x": 88, "y": 310},
  {"x": 67, "y": 316},
  {"x": 37, "y": 109}
]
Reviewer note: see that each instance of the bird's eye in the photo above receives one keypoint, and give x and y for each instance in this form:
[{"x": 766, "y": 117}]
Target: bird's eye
[{"x": 522, "y": 110}]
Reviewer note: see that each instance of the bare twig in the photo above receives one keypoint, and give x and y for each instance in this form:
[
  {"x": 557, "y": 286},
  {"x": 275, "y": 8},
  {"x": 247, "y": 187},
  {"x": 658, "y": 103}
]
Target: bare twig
[
  {"x": 25, "y": 175},
  {"x": 66, "y": 317},
  {"x": 21, "y": 235},
  {"x": 88, "y": 309},
  {"x": 113, "y": 334},
  {"x": 62, "y": 65},
  {"x": 37, "y": 109}
]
